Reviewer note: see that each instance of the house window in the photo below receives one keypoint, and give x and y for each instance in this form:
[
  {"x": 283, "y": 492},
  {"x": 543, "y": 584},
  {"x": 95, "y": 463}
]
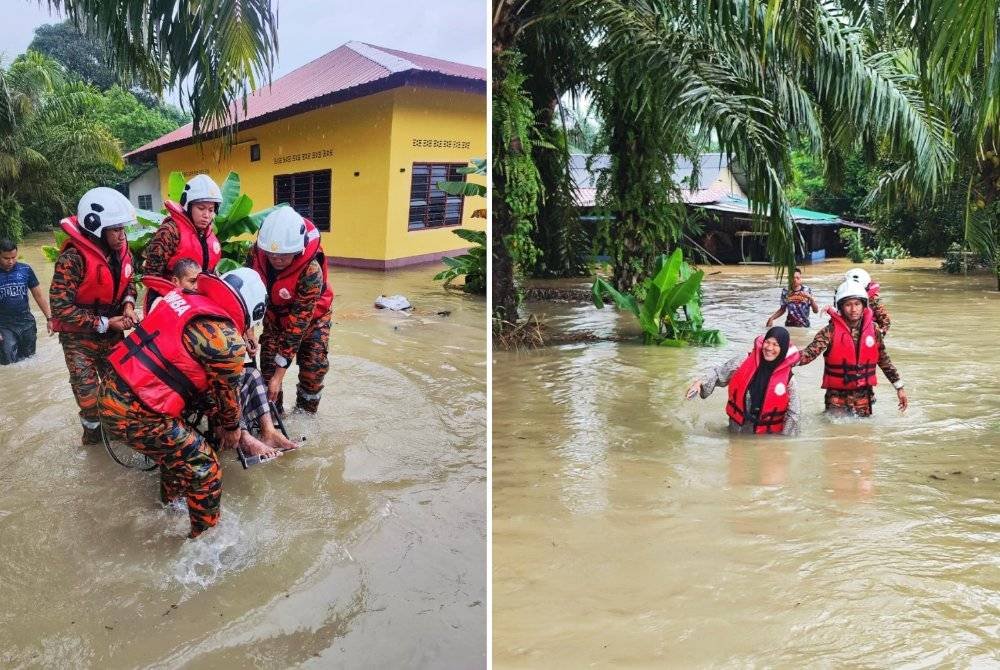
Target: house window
[
  {"x": 431, "y": 207},
  {"x": 308, "y": 193},
  {"x": 254, "y": 153},
  {"x": 145, "y": 202}
]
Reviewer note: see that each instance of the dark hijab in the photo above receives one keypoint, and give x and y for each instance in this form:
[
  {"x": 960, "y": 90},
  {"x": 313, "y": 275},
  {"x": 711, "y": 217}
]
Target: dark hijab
[{"x": 758, "y": 385}]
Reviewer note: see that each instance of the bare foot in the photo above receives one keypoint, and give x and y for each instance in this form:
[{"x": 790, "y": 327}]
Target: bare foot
[
  {"x": 254, "y": 447},
  {"x": 277, "y": 440}
]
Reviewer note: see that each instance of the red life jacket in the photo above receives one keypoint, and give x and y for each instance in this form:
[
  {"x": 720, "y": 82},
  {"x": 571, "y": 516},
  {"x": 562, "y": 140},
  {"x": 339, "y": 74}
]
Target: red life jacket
[
  {"x": 851, "y": 365},
  {"x": 775, "y": 405},
  {"x": 101, "y": 290},
  {"x": 281, "y": 290},
  {"x": 153, "y": 361},
  {"x": 206, "y": 251}
]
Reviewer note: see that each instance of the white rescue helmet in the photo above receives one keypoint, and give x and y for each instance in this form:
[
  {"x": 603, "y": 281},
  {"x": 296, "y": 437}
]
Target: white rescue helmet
[
  {"x": 250, "y": 288},
  {"x": 850, "y": 289},
  {"x": 201, "y": 188},
  {"x": 859, "y": 275},
  {"x": 282, "y": 232},
  {"x": 102, "y": 208}
]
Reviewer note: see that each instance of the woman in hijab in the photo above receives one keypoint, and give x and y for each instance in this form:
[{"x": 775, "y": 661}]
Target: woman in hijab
[{"x": 763, "y": 397}]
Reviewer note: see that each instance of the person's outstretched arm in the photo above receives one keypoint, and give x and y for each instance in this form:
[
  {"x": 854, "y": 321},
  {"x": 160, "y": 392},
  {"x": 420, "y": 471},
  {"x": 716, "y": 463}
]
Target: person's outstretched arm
[
  {"x": 820, "y": 343},
  {"x": 770, "y": 320},
  {"x": 781, "y": 309},
  {"x": 718, "y": 376}
]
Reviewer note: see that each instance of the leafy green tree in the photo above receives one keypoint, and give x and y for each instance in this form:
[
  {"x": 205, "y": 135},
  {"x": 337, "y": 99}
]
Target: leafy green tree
[
  {"x": 47, "y": 140},
  {"x": 80, "y": 55},
  {"x": 128, "y": 119},
  {"x": 214, "y": 52},
  {"x": 86, "y": 58},
  {"x": 752, "y": 78}
]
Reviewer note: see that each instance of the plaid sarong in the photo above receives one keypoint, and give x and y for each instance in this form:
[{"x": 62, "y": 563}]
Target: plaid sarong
[{"x": 253, "y": 398}]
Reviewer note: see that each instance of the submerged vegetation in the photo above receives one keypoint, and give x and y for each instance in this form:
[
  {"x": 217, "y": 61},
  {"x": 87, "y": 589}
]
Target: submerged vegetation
[{"x": 670, "y": 308}]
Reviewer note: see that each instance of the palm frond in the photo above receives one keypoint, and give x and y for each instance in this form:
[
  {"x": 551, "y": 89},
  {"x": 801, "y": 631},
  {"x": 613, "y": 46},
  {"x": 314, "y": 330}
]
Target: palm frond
[{"x": 216, "y": 52}]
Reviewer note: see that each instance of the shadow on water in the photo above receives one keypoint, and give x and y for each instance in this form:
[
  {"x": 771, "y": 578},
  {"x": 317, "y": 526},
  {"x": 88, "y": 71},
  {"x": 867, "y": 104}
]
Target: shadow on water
[
  {"x": 365, "y": 547},
  {"x": 631, "y": 529}
]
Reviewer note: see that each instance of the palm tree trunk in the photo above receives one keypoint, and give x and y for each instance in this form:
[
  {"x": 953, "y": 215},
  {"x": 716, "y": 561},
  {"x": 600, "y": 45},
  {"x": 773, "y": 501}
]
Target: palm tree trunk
[{"x": 503, "y": 284}]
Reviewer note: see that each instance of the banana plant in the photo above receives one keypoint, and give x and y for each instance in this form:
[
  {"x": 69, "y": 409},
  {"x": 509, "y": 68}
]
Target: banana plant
[
  {"x": 670, "y": 315},
  {"x": 234, "y": 224},
  {"x": 472, "y": 264}
]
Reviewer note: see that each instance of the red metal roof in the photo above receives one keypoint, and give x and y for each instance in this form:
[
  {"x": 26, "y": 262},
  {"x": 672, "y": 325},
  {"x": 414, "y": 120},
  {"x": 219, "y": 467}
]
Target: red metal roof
[{"x": 347, "y": 67}]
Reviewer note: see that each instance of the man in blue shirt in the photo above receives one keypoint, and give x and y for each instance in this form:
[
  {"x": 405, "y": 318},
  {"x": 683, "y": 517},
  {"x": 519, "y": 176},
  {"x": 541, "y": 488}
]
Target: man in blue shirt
[{"x": 17, "y": 325}]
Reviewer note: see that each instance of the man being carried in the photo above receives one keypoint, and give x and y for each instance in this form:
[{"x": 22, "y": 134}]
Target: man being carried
[{"x": 189, "y": 347}]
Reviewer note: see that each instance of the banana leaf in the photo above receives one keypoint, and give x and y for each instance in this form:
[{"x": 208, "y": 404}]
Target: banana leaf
[
  {"x": 149, "y": 218},
  {"x": 622, "y": 301},
  {"x": 682, "y": 293},
  {"x": 51, "y": 253},
  {"x": 474, "y": 236},
  {"x": 175, "y": 185},
  {"x": 462, "y": 188},
  {"x": 451, "y": 262},
  {"x": 692, "y": 309},
  {"x": 257, "y": 218},
  {"x": 674, "y": 285},
  {"x": 478, "y": 167},
  {"x": 230, "y": 194},
  {"x": 226, "y": 265},
  {"x": 659, "y": 289}
]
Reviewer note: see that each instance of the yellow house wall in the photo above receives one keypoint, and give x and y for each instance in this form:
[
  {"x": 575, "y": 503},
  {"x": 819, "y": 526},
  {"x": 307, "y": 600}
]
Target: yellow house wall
[
  {"x": 449, "y": 119},
  {"x": 348, "y": 137}
]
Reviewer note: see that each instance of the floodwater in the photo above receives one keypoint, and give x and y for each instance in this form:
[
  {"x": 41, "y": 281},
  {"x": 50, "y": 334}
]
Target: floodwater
[
  {"x": 630, "y": 529},
  {"x": 366, "y": 548}
]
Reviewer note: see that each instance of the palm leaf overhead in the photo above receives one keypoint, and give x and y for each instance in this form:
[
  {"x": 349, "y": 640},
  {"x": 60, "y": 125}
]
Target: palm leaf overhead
[
  {"x": 48, "y": 135},
  {"x": 756, "y": 78},
  {"x": 215, "y": 52},
  {"x": 749, "y": 78}
]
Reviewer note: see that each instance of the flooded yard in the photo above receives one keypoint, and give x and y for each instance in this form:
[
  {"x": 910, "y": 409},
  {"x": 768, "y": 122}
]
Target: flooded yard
[
  {"x": 365, "y": 548},
  {"x": 631, "y": 529}
]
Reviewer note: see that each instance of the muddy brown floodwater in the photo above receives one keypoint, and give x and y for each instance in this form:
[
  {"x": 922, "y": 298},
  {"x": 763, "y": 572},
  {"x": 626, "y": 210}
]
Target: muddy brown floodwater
[
  {"x": 631, "y": 529},
  {"x": 367, "y": 548}
]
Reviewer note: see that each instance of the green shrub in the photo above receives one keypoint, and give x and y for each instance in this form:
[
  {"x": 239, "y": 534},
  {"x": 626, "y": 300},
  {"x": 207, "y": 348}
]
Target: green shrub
[{"x": 11, "y": 223}]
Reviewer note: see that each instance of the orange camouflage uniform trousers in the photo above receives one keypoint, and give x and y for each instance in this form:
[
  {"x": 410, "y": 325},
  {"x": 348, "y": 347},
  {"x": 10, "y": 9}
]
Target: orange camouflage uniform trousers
[
  {"x": 189, "y": 466},
  {"x": 856, "y": 402},
  {"x": 86, "y": 353},
  {"x": 296, "y": 335}
]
